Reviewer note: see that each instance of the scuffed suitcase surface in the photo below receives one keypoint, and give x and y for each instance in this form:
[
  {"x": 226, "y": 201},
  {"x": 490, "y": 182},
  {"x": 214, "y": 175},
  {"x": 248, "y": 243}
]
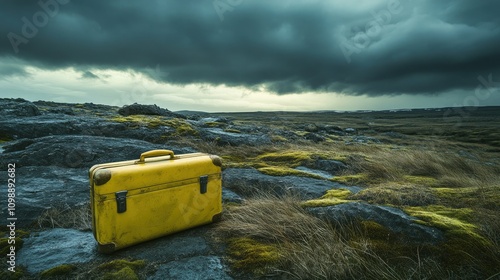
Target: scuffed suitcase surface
[{"x": 159, "y": 194}]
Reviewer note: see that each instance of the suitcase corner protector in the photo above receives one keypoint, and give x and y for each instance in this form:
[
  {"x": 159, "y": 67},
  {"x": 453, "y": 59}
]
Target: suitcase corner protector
[
  {"x": 217, "y": 218},
  {"x": 216, "y": 160},
  {"x": 102, "y": 176},
  {"x": 106, "y": 248}
]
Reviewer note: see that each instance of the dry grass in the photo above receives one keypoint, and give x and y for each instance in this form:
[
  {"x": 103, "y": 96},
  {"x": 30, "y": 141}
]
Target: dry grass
[
  {"x": 78, "y": 217},
  {"x": 310, "y": 248}
]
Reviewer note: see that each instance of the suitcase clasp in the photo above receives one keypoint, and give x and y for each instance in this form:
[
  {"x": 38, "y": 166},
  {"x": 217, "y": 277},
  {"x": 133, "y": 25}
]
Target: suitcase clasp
[
  {"x": 121, "y": 201},
  {"x": 203, "y": 184}
]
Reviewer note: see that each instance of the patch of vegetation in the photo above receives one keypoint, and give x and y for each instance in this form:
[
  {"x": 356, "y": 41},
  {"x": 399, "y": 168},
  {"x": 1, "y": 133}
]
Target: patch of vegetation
[
  {"x": 249, "y": 254},
  {"x": 60, "y": 270},
  {"x": 286, "y": 171},
  {"x": 278, "y": 138},
  {"x": 332, "y": 197},
  {"x": 5, "y": 138},
  {"x": 396, "y": 194},
  {"x": 285, "y": 240},
  {"x": 465, "y": 246},
  {"x": 351, "y": 180},
  {"x": 182, "y": 128},
  {"x": 124, "y": 273},
  {"x": 78, "y": 217},
  {"x": 289, "y": 158},
  {"x": 449, "y": 219}
]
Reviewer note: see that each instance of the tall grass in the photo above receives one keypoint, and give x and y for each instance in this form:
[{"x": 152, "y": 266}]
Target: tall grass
[
  {"x": 311, "y": 248},
  {"x": 449, "y": 168}
]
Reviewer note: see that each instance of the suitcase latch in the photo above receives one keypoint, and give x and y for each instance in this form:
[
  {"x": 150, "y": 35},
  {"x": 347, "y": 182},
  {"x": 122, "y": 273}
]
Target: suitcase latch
[
  {"x": 203, "y": 184},
  {"x": 121, "y": 201}
]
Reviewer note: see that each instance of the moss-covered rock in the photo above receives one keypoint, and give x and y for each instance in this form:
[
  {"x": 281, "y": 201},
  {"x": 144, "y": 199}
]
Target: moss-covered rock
[
  {"x": 251, "y": 255},
  {"x": 60, "y": 270},
  {"x": 286, "y": 171},
  {"x": 121, "y": 263},
  {"x": 355, "y": 179},
  {"x": 125, "y": 273},
  {"x": 332, "y": 197},
  {"x": 396, "y": 194}
]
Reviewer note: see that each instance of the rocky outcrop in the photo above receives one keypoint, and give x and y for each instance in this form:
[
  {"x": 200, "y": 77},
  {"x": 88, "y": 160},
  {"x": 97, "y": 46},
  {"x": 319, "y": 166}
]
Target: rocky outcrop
[
  {"x": 18, "y": 108},
  {"x": 250, "y": 182},
  {"x": 77, "y": 151},
  {"x": 139, "y": 109},
  {"x": 392, "y": 218}
]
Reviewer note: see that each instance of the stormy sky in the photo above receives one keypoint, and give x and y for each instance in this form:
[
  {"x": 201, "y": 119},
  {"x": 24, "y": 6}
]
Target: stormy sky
[{"x": 241, "y": 55}]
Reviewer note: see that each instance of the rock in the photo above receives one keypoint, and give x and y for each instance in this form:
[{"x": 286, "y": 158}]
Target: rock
[
  {"x": 73, "y": 151},
  {"x": 207, "y": 121},
  {"x": 314, "y": 137},
  {"x": 223, "y": 138},
  {"x": 54, "y": 247},
  {"x": 58, "y": 124},
  {"x": 248, "y": 182},
  {"x": 228, "y": 196},
  {"x": 199, "y": 267},
  {"x": 350, "y": 130},
  {"x": 184, "y": 244},
  {"x": 331, "y": 166},
  {"x": 139, "y": 109},
  {"x": 17, "y": 107},
  {"x": 311, "y": 128},
  {"x": 39, "y": 188},
  {"x": 365, "y": 140},
  {"x": 316, "y": 172},
  {"x": 392, "y": 218}
]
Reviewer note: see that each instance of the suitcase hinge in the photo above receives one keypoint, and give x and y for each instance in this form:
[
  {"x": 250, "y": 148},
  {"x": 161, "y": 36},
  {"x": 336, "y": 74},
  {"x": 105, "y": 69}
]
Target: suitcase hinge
[
  {"x": 203, "y": 184},
  {"x": 121, "y": 201}
]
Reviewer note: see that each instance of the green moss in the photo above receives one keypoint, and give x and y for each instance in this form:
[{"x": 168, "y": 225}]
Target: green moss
[
  {"x": 332, "y": 197},
  {"x": 214, "y": 124},
  {"x": 351, "y": 179},
  {"x": 58, "y": 271},
  {"x": 5, "y": 138},
  {"x": 125, "y": 273},
  {"x": 251, "y": 255},
  {"x": 278, "y": 138},
  {"x": 182, "y": 128},
  {"x": 487, "y": 197},
  {"x": 421, "y": 180},
  {"x": 394, "y": 194},
  {"x": 287, "y": 157},
  {"x": 455, "y": 221},
  {"x": 5, "y": 245},
  {"x": 285, "y": 171},
  {"x": 120, "y": 264},
  {"x": 17, "y": 274}
]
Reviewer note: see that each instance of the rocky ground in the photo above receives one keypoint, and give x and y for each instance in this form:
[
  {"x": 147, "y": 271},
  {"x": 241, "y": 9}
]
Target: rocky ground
[{"x": 53, "y": 145}]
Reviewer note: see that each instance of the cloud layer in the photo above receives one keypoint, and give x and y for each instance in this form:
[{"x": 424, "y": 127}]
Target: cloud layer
[{"x": 290, "y": 46}]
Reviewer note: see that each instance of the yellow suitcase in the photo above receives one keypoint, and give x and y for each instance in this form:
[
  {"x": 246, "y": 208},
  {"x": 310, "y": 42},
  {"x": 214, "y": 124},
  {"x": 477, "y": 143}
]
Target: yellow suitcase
[{"x": 158, "y": 194}]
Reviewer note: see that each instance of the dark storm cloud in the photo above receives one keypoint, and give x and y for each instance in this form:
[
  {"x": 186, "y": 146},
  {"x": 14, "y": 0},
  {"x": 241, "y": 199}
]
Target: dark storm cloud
[
  {"x": 360, "y": 47},
  {"x": 89, "y": 75}
]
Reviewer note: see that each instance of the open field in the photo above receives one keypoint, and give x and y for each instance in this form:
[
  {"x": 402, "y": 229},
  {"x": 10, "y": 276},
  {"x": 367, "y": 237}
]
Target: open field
[
  {"x": 316, "y": 195},
  {"x": 440, "y": 166}
]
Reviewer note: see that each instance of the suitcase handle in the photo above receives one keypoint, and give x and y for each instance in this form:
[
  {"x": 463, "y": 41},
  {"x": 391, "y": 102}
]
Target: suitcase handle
[{"x": 155, "y": 153}]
